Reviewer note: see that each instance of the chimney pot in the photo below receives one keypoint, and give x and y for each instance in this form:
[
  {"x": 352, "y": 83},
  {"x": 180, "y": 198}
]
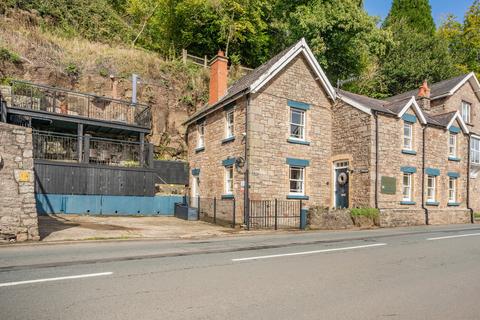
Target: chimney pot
[
  {"x": 424, "y": 90},
  {"x": 218, "y": 77}
]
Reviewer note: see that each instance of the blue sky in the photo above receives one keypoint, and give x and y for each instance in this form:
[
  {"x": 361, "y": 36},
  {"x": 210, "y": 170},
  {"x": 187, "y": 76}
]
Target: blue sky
[{"x": 440, "y": 8}]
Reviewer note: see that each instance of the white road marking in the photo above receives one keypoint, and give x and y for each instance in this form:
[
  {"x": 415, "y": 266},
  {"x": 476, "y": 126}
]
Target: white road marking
[
  {"x": 457, "y": 236},
  {"x": 308, "y": 252},
  {"x": 8, "y": 284}
]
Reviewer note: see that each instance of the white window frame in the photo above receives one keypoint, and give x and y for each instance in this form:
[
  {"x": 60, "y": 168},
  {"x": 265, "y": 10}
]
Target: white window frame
[
  {"x": 475, "y": 151},
  {"x": 466, "y": 111},
  {"x": 431, "y": 188},
  {"x": 229, "y": 123},
  {"x": 452, "y": 190},
  {"x": 407, "y": 196},
  {"x": 229, "y": 179},
  {"x": 201, "y": 135},
  {"x": 297, "y": 192},
  {"x": 452, "y": 145},
  {"x": 301, "y": 125},
  {"x": 409, "y": 145}
]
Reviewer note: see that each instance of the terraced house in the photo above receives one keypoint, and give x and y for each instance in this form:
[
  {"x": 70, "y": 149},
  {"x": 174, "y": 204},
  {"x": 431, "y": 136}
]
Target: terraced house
[{"x": 284, "y": 132}]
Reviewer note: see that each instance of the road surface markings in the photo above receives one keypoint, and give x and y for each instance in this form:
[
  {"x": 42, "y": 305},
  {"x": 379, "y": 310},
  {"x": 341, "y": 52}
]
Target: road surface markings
[
  {"x": 8, "y": 284},
  {"x": 308, "y": 252},
  {"x": 457, "y": 236}
]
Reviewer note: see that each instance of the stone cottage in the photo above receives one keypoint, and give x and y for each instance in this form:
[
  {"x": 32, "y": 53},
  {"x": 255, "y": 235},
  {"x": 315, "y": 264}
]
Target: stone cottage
[{"x": 284, "y": 132}]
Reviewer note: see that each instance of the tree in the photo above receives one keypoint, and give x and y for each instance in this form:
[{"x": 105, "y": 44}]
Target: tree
[
  {"x": 416, "y": 14},
  {"x": 343, "y": 37}
]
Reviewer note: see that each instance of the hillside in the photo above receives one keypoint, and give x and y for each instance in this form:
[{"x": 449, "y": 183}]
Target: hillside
[{"x": 28, "y": 51}]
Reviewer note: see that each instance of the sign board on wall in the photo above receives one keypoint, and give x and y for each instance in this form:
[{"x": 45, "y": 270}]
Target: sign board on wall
[{"x": 389, "y": 185}]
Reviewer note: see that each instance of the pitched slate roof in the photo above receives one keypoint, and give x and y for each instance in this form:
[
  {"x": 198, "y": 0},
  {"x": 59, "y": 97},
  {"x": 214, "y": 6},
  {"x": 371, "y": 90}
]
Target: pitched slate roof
[
  {"x": 371, "y": 103},
  {"x": 437, "y": 89},
  {"x": 258, "y": 77}
]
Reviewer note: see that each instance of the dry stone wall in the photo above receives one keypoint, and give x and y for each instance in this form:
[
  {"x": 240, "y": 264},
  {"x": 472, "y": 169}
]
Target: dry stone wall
[{"x": 18, "y": 215}]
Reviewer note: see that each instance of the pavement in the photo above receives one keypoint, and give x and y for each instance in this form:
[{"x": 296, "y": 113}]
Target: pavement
[
  {"x": 404, "y": 273},
  {"x": 68, "y": 227}
]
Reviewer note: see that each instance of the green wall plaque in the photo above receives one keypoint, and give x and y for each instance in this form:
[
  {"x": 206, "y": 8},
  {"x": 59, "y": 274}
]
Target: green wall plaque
[{"x": 389, "y": 185}]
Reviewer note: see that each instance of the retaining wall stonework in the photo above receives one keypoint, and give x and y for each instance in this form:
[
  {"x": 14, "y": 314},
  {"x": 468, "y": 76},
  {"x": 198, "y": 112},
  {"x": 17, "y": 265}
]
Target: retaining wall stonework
[{"x": 18, "y": 215}]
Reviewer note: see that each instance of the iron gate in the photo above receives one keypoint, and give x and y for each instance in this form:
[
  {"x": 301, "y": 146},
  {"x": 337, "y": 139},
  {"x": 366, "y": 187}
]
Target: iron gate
[{"x": 276, "y": 214}]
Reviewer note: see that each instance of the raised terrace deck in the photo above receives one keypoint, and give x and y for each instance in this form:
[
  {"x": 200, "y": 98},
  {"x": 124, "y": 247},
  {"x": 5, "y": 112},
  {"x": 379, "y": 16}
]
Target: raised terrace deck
[{"x": 56, "y": 103}]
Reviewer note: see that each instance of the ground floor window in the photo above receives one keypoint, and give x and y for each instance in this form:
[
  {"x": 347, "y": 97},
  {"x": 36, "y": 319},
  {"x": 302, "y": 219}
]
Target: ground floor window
[
  {"x": 297, "y": 181},
  {"x": 229, "y": 179},
  {"x": 407, "y": 187},
  {"x": 452, "y": 189},
  {"x": 431, "y": 188}
]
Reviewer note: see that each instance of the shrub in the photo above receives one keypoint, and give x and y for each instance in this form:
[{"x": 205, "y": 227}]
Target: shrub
[
  {"x": 371, "y": 213},
  {"x": 7, "y": 55}
]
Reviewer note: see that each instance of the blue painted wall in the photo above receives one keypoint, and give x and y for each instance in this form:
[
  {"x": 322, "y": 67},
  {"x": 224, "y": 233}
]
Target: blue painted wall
[{"x": 106, "y": 205}]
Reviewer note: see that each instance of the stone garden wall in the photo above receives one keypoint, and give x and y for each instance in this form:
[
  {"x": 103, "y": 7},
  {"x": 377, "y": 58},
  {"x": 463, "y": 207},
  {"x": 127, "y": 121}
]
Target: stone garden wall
[{"x": 18, "y": 215}]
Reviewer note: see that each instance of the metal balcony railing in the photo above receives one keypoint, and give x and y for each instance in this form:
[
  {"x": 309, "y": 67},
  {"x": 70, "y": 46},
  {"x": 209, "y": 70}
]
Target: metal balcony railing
[
  {"x": 26, "y": 95},
  {"x": 94, "y": 150}
]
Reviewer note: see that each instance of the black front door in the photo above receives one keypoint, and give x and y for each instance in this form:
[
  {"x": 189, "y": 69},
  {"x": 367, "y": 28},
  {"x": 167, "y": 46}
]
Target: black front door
[{"x": 341, "y": 187}]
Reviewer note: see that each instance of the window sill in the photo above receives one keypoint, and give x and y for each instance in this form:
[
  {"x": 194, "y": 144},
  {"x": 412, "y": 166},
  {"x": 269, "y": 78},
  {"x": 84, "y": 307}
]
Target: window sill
[
  {"x": 199, "y": 149},
  {"x": 229, "y": 139},
  {"x": 405, "y": 151},
  {"x": 227, "y": 196},
  {"x": 432, "y": 203},
  {"x": 453, "y": 204},
  {"x": 408, "y": 203},
  {"x": 297, "y": 141},
  {"x": 454, "y": 159},
  {"x": 297, "y": 197}
]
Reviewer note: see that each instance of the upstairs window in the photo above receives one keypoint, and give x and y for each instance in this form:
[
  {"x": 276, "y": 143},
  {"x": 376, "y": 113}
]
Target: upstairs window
[
  {"x": 466, "y": 110},
  {"x": 431, "y": 188},
  {"x": 201, "y": 135},
  {"x": 407, "y": 187},
  {"x": 475, "y": 150},
  {"x": 229, "y": 128},
  {"x": 452, "y": 145},
  {"x": 297, "y": 124},
  {"x": 452, "y": 189},
  {"x": 229, "y": 179},
  {"x": 297, "y": 181},
  {"x": 407, "y": 136}
]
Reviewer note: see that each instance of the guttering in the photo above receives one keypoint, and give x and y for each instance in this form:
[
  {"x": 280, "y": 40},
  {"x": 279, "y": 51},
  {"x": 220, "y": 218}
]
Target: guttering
[
  {"x": 375, "y": 115},
  {"x": 472, "y": 219},
  {"x": 215, "y": 107},
  {"x": 246, "y": 188},
  {"x": 424, "y": 129}
]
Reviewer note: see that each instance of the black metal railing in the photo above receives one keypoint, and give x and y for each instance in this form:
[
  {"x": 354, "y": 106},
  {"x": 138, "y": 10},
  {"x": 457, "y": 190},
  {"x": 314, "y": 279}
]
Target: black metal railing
[
  {"x": 55, "y": 146},
  {"x": 216, "y": 210},
  {"x": 67, "y": 147},
  {"x": 274, "y": 214},
  {"x": 26, "y": 95}
]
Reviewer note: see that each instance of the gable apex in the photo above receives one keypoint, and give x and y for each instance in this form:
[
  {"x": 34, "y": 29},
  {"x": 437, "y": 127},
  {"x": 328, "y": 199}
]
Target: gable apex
[
  {"x": 412, "y": 103},
  {"x": 460, "y": 121},
  {"x": 301, "y": 47}
]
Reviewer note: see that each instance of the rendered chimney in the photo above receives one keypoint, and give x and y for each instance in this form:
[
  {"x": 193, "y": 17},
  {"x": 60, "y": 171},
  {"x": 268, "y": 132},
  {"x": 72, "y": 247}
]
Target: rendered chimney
[
  {"x": 114, "y": 86},
  {"x": 424, "y": 94},
  {"x": 218, "y": 77}
]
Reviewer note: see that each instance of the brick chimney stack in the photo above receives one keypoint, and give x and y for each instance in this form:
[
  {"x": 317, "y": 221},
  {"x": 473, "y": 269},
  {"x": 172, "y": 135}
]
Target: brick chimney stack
[
  {"x": 424, "y": 95},
  {"x": 218, "y": 77}
]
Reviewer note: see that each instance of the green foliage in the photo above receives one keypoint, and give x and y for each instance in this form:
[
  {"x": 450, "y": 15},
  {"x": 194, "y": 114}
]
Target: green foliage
[
  {"x": 9, "y": 56},
  {"x": 371, "y": 213},
  {"x": 413, "y": 58},
  {"x": 464, "y": 39},
  {"x": 72, "y": 69},
  {"x": 416, "y": 14}
]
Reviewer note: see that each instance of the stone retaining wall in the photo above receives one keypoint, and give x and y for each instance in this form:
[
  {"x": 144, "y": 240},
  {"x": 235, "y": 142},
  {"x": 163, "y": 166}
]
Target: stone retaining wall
[{"x": 18, "y": 215}]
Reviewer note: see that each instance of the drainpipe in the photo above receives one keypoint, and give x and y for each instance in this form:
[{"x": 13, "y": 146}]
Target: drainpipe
[
  {"x": 375, "y": 115},
  {"x": 472, "y": 220},
  {"x": 424, "y": 128},
  {"x": 246, "y": 187}
]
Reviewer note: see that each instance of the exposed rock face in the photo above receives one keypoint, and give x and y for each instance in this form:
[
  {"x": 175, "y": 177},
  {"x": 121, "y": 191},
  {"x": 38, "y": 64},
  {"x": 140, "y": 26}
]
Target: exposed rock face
[{"x": 18, "y": 214}]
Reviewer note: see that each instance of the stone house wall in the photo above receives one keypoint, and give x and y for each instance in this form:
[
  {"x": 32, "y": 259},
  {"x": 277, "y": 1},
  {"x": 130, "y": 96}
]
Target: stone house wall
[
  {"x": 268, "y": 131},
  {"x": 209, "y": 161},
  {"x": 352, "y": 141},
  {"x": 18, "y": 215}
]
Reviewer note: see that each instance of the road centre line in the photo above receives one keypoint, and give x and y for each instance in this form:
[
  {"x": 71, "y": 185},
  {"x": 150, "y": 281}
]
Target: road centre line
[
  {"x": 308, "y": 252},
  {"x": 8, "y": 284},
  {"x": 457, "y": 236}
]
